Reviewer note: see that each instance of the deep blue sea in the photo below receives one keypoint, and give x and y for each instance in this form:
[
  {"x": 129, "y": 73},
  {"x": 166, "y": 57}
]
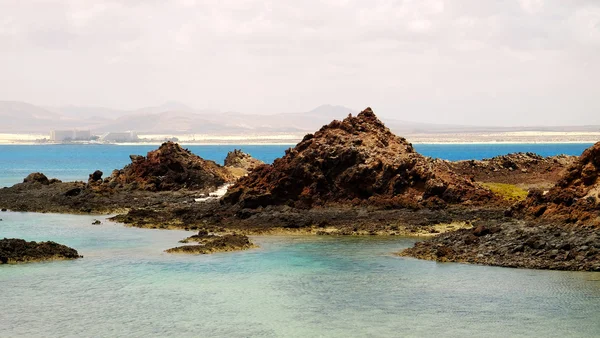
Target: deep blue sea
[
  {"x": 291, "y": 286},
  {"x": 76, "y": 162}
]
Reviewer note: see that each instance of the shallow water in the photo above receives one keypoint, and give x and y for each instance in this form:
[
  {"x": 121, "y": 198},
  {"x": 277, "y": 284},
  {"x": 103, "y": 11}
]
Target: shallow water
[
  {"x": 70, "y": 162},
  {"x": 290, "y": 287}
]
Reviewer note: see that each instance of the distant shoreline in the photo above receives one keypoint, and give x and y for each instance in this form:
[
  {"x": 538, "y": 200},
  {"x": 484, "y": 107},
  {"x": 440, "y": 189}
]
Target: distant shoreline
[
  {"x": 292, "y": 139},
  {"x": 281, "y": 143}
]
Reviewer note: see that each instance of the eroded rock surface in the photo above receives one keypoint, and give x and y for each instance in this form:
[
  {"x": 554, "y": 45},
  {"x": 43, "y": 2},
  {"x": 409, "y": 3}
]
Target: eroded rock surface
[
  {"x": 355, "y": 161},
  {"x": 239, "y": 159},
  {"x": 574, "y": 199},
  {"x": 13, "y": 250},
  {"x": 518, "y": 245},
  {"x": 211, "y": 243},
  {"x": 527, "y": 170},
  {"x": 168, "y": 168}
]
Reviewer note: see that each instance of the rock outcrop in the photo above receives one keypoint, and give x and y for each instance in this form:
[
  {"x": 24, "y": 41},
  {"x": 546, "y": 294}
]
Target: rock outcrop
[
  {"x": 169, "y": 175},
  {"x": 239, "y": 159},
  {"x": 528, "y": 170},
  {"x": 169, "y": 168},
  {"x": 211, "y": 243},
  {"x": 515, "y": 245},
  {"x": 39, "y": 178},
  {"x": 13, "y": 250},
  {"x": 574, "y": 199},
  {"x": 355, "y": 161}
]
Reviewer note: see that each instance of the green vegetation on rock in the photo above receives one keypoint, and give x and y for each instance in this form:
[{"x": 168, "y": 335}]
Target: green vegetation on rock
[{"x": 509, "y": 192}]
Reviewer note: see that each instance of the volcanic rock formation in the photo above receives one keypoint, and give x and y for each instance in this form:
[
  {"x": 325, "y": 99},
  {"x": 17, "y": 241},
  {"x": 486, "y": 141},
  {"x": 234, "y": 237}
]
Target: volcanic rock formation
[
  {"x": 210, "y": 243},
  {"x": 168, "y": 168},
  {"x": 576, "y": 196},
  {"x": 355, "y": 161},
  {"x": 13, "y": 250},
  {"x": 517, "y": 245},
  {"x": 525, "y": 169},
  {"x": 239, "y": 159},
  {"x": 168, "y": 175}
]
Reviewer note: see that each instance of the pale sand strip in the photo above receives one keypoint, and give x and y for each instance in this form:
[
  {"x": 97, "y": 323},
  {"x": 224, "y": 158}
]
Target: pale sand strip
[{"x": 292, "y": 139}]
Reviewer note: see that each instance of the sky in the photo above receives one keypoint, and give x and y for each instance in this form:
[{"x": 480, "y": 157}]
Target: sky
[{"x": 492, "y": 62}]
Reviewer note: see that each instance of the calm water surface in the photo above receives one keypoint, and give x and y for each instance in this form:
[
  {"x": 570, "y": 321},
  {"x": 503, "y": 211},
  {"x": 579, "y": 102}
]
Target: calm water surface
[
  {"x": 76, "y": 162},
  {"x": 290, "y": 287}
]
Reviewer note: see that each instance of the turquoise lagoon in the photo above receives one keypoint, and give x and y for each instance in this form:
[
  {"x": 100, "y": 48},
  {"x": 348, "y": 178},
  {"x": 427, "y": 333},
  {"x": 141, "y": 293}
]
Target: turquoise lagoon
[{"x": 303, "y": 286}]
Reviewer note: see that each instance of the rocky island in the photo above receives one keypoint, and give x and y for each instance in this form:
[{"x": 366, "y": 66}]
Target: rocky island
[
  {"x": 13, "y": 251},
  {"x": 554, "y": 229},
  {"x": 352, "y": 177},
  {"x": 168, "y": 175},
  {"x": 208, "y": 243}
]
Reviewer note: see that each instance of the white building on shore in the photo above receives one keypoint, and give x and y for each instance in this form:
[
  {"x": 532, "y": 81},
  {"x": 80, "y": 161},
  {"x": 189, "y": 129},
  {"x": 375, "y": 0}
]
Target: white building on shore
[
  {"x": 70, "y": 135},
  {"x": 128, "y": 136}
]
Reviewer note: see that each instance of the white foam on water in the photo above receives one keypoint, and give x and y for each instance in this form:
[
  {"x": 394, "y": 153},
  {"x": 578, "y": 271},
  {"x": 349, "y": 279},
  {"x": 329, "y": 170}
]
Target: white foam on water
[{"x": 220, "y": 192}]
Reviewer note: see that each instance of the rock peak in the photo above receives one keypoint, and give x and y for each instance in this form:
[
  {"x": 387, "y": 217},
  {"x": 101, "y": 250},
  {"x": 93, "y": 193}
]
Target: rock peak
[
  {"x": 170, "y": 167},
  {"x": 367, "y": 112},
  {"x": 354, "y": 161}
]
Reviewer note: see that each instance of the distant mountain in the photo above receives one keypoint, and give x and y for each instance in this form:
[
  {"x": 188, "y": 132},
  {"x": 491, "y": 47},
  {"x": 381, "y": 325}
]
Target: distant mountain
[
  {"x": 88, "y": 112},
  {"x": 19, "y": 116},
  {"x": 176, "y": 118},
  {"x": 165, "y": 107}
]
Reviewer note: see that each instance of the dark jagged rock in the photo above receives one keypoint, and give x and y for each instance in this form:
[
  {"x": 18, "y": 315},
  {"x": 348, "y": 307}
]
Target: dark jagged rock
[
  {"x": 37, "y": 178},
  {"x": 517, "y": 245},
  {"x": 14, "y": 250},
  {"x": 525, "y": 169},
  {"x": 95, "y": 177},
  {"x": 239, "y": 159},
  {"x": 168, "y": 168},
  {"x": 355, "y": 161},
  {"x": 214, "y": 243},
  {"x": 574, "y": 199}
]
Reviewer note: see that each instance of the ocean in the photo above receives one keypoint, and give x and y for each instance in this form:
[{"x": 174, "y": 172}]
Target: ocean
[
  {"x": 75, "y": 162},
  {"x": 291, "y": 286}
]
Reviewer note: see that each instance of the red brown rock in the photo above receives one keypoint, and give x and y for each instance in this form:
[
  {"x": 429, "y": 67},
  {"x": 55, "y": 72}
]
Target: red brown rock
[
  {"x": 355, "y": 161},
  {"x": 528, "y": 170},
  {"x": 168, "y": 168},
  {"x": 574, "y": 198},
  {"x": 239, "y": 159}
]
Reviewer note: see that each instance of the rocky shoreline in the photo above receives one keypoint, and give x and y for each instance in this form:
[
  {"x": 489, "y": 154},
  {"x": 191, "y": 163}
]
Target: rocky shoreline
[
  {"x": 352, "y": 177},
  {"x": 15, "y": 251},
  {"x": 516, "y": 245}
]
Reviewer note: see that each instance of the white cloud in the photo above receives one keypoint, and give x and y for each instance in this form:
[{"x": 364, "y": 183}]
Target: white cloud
[
  {"x": 433, "y": 60},
  {"x": 585, "y": 23},
  {"x": 531, "y": 6}
]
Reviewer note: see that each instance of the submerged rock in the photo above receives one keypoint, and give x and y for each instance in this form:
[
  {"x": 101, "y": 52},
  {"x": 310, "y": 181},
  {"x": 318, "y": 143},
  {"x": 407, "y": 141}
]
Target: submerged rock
[
  {"x": 14, "y": 250},
  {"x": 210, "y": 243},
  {"x": 355, "y": 161}
]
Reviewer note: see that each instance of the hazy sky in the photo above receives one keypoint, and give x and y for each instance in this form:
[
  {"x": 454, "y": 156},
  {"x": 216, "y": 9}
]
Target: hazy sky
[{"x": 454, "y": 61}]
